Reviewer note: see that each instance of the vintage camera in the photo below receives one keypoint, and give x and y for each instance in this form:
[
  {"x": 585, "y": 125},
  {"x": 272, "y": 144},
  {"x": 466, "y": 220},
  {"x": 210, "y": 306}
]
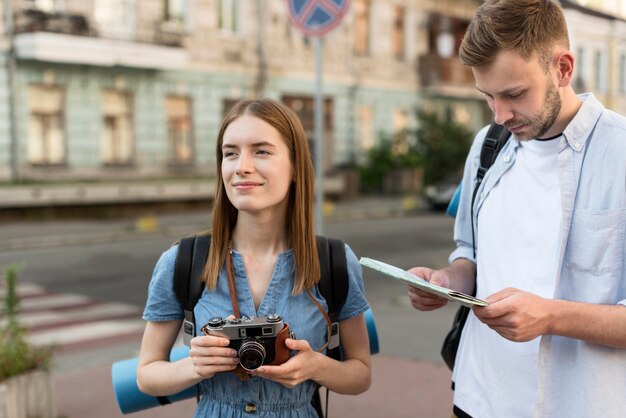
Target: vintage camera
[{"x": 258, "y": 340}]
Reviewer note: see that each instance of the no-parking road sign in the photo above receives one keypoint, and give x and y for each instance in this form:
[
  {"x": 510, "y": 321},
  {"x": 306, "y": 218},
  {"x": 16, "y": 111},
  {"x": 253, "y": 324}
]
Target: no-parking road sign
[{"x": 317, "y": 17}]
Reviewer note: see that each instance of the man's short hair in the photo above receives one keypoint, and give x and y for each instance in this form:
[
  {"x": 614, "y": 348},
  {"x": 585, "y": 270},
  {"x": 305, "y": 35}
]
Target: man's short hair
[{"x": 527, "y": 27}]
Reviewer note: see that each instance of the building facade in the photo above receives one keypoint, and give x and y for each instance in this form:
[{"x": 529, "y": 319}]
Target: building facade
[
  {"x": 116, "y": 89},
  {"x": 105, "y": 89}
]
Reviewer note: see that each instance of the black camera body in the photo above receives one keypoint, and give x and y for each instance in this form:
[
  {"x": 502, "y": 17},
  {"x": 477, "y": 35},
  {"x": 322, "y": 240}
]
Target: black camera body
[{"x": 258, "y": 340}]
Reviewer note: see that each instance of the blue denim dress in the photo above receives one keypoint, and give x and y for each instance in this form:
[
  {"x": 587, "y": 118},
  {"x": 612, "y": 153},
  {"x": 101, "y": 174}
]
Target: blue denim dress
[{"x": 225, "y": 395}]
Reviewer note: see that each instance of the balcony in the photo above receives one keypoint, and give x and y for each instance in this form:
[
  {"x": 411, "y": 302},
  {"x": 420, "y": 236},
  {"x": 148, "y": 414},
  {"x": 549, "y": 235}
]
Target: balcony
[
  {"x": 435, "y": 71},
  {"x": 34, "y": 20},
  {"x": 101, "y": 52}
]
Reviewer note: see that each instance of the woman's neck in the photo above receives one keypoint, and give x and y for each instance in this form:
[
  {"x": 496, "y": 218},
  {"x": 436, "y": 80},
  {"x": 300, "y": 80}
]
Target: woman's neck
[{"x": 254, "y": 236}]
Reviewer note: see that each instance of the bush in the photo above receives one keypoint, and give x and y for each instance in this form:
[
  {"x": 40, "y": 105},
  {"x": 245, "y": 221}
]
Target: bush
[
  {"x": 17, "y": 356},
  {"x": 444, "y": 146},
  {"x": 391, "y": 153}
]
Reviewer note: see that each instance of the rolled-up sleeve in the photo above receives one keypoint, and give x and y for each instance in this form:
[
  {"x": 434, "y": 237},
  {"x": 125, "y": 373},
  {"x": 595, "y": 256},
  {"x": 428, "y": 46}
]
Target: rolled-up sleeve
[
  {"x": 162, "y": 303},
  {"x": 356, "y": 303}
]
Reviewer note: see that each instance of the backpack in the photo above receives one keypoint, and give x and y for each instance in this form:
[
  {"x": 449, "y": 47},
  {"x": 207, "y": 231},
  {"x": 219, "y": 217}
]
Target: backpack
[
  {"x": 333, "y": 285},
  {"x": 497, "y": 136}
]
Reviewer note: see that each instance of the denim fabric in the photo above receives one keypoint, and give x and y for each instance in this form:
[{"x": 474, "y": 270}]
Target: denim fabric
[
  {"x": 576, "y": 379},
  {"x": 225, "y": 395}
]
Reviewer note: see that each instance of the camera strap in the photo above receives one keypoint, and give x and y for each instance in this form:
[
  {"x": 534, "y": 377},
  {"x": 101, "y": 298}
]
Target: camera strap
[{"x": 232, "y": 285}]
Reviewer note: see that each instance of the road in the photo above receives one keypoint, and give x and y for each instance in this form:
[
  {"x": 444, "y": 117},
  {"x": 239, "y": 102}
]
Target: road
[
  {"x": 110, "y": 270},
  {"x": 120, "y": 271}
]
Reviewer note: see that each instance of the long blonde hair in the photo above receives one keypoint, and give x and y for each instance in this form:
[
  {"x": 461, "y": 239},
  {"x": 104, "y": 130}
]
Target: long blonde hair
[{"x": 300, "y": 214}]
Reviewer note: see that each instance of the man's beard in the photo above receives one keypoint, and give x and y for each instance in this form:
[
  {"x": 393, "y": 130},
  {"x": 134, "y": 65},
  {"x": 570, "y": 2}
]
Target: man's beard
[{"x": 539, "y": 123}]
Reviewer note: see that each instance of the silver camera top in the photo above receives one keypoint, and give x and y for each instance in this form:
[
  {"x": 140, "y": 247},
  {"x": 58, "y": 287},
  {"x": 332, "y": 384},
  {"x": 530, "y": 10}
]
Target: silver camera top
[{"x": 245, "y": 327}]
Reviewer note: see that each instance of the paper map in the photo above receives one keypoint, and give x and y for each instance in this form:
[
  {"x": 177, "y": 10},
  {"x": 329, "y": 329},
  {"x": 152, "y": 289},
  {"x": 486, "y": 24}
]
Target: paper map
[{"x": 420, "y": 283}]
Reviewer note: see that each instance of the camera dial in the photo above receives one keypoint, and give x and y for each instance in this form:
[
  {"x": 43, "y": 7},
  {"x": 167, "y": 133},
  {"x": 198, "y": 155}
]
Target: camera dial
[
  {"x": 215, "y": 322},
  {"x": 273, "y": 318}
]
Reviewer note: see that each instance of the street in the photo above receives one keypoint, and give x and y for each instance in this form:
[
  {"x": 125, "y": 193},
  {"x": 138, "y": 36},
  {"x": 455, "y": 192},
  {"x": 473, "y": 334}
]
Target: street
[{"x": 116, "y": 272}]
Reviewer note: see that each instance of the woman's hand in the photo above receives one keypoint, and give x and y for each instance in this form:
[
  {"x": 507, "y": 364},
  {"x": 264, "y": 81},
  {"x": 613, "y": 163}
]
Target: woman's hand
[
  {"x": 299, "y": 368},
  {"x": 210, "y": 354}
]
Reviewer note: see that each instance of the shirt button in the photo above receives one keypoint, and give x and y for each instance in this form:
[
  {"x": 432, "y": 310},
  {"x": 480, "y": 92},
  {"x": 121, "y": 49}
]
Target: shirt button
[
  {"x": 507, "y": 159},
  {"x": 250, "y": 408},
  {"x": 577, "y": 146}
]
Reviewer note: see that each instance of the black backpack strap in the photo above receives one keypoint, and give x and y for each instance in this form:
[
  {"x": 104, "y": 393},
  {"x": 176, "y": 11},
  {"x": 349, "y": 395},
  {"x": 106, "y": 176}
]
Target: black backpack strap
[
  {"x": 497, "y": 136},
  {"x": 190, "y": 261},
  {"x": 333, "y": 285}
]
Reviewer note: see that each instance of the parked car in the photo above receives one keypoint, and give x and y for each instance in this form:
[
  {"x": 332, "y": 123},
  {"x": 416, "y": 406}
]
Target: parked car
[{"x": 438, "y": 196}]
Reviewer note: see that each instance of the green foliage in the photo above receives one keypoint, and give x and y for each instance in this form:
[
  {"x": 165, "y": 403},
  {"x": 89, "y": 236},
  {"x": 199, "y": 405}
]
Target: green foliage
[
  {"x": 392, "y": 152},
  {"x": 444, "y": 146},
  {"x": 16, "y": 354}
]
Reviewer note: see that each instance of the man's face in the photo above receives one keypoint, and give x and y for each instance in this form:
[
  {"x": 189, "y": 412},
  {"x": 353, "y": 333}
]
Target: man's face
[{"x": 521, "y": 94}]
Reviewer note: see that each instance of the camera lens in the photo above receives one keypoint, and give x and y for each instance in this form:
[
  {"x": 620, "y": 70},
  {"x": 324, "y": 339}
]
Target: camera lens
[{"x": 251, "y": 355}]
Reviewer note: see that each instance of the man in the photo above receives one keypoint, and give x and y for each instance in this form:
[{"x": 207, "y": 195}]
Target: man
[{"x": 548, "y": 229}]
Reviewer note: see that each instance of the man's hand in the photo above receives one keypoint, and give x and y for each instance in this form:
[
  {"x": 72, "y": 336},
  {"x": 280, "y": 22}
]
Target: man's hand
[
  {"x": 425, "y": 301},
  {"x": 515, "y": 314}
]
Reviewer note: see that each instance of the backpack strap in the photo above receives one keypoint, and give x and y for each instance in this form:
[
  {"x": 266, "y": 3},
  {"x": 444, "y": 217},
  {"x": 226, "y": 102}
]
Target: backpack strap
[
  {"x": 333, "y": 285},
  {"x": 190, "y": 261},
  {"x": 497, "y": 136}
]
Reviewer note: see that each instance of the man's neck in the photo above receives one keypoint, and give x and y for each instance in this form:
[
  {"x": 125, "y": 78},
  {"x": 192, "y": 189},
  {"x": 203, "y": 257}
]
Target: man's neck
[{"x": 570, "y": 106}]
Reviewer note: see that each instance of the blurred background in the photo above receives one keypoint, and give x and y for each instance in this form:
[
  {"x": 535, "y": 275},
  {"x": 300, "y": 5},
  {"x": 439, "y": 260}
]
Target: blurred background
[{"x": 109, "y": 116}]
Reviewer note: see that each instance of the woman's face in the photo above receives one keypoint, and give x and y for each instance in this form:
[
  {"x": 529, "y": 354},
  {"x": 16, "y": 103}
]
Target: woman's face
[{"x": 256, "y": 166}]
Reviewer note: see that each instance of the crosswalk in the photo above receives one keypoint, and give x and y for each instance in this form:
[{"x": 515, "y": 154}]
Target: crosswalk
[{"x": 68, "y": 321}]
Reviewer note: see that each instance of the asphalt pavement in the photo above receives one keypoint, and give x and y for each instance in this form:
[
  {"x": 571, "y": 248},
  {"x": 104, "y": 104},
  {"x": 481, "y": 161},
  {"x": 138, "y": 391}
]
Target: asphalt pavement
[{"x": 82, "y": 378}]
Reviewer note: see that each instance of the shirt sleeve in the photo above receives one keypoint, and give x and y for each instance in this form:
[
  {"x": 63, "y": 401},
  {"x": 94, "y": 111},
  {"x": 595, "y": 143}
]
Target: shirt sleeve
[
  {"x": 355, "y": 300},
  {"x": 162, "y": 303},
  {"x": 463, "y": 220}
]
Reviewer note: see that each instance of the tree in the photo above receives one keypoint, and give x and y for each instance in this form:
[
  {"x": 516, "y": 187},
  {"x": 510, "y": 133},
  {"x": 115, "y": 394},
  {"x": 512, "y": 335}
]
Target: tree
[{"x": 444, "y": 145}]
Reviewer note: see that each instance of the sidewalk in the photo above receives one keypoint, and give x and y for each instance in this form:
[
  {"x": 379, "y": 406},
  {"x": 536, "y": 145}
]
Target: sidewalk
[{"x": 400, "y": 389}]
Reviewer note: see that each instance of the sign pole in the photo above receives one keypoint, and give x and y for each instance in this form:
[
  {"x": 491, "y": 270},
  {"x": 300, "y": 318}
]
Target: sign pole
[
  {"x": 319, "y": 139},
  {"x": 316, "y": 18}
]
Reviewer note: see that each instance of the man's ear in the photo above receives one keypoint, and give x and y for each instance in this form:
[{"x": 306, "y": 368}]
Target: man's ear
[{"x": 565, "y": 68}]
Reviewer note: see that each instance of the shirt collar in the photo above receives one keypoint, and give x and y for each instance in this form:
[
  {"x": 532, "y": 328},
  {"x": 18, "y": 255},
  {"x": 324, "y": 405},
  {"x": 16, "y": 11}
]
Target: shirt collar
[{"x": 578, "y": 131}]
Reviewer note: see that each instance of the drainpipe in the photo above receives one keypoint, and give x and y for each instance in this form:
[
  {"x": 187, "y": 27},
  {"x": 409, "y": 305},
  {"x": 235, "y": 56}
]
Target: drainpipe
[
  {"x": 11, "y": 64},
  {"x": 261, "y": 78}
]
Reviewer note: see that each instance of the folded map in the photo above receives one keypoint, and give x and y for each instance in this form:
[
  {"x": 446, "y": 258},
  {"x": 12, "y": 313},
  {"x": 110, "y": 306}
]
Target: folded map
[{"x": 420, "y": 283}]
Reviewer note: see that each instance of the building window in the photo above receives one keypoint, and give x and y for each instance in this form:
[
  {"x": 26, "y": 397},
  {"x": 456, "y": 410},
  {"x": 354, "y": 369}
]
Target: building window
[
  {"x": 228, "y": 16},
  {"x": 361, "y": 27},
  {"x": 175, "y": 11},
  {"x": 399, "y": 120},
  {"x": 622, "y": 73},
  {"x": 579, "y": 74},
  {"x": 398, "y": 33},
  {"x": 599, "y": 72},
  {"x": 179, "y": 130},
  {"x": 366, "y": 126},
  {"x": 117, "y": 128},
  {"x": 304, "y": 107},
  {"x": 115, "y": 18},
  {"x": 49, "y": 6},
  {"x": 228, "y": 104},
  {"x": 46, "y": 130}
]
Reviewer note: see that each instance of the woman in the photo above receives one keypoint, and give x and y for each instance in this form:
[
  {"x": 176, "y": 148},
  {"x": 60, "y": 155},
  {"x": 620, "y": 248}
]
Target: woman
[{"x": 262, "y": 226}]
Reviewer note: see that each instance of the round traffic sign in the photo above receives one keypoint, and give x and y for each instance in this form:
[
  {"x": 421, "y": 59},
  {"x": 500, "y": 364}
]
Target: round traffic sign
[{"x": 317, "y": 17}]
